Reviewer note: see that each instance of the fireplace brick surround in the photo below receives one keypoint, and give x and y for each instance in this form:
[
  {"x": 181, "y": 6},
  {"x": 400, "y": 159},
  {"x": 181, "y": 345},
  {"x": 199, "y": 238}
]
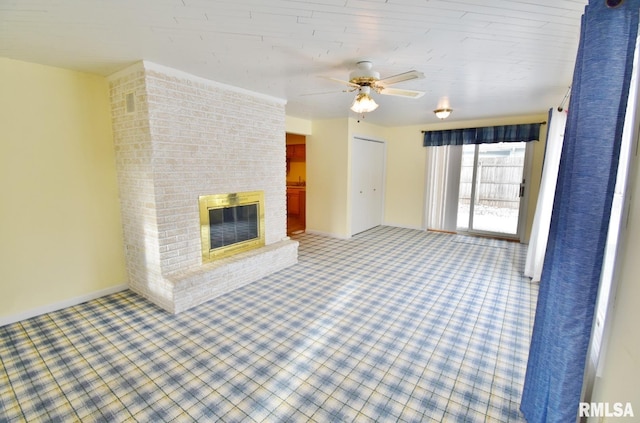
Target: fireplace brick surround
[{"x": 178, "y": 136}]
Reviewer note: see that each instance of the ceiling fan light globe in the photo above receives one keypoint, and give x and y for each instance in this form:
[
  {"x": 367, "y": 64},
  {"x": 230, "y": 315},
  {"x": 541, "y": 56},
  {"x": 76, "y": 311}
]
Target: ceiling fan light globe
[
  {"x": 363, "y": 103},
  {"x": 442, "y": 113}
]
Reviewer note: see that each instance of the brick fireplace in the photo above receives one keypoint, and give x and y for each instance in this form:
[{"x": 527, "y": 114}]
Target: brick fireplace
[{"x": 178, "y": 137}]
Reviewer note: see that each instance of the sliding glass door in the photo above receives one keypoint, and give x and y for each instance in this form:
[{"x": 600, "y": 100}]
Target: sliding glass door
[{"x": 492, "y": 188}]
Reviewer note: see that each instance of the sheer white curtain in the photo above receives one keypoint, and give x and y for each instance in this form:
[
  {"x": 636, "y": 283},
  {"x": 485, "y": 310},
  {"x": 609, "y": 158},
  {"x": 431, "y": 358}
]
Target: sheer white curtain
[
  {"x": 542, "y": 218},
  {"x": 443, "y": 184}
]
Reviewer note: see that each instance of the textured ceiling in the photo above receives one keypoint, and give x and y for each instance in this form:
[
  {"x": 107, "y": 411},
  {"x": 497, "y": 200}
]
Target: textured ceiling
[{"x": 488, "y": 57}]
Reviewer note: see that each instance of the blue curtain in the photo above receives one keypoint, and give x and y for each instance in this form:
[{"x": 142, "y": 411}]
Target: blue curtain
[
  {"x": 581, "y": 210},
  {"x": 483, "y": 135}
]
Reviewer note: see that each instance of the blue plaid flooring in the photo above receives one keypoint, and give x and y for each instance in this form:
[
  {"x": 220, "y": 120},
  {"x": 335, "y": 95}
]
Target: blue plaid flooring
[{"x": 391, "y": 325}]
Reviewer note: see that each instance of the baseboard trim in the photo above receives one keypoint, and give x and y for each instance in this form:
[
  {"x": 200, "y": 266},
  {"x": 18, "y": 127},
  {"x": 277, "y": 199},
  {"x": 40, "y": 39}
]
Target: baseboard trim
[
  {"x": 332, "y": 235},
  {"x": 395, "y": 225},
  {"x": 442, "y": 231},
  {"x": 327, "y": 234},
  {"x": 7, "y": 320}
]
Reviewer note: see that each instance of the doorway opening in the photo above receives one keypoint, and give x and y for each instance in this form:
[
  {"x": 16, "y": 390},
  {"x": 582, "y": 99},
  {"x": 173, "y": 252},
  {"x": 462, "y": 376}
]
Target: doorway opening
[{"x": 296, "y": 158}]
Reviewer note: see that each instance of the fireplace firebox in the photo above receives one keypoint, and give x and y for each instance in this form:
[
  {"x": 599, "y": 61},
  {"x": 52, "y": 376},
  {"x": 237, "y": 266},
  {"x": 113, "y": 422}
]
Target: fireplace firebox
[{"x": 231, "y": 223}]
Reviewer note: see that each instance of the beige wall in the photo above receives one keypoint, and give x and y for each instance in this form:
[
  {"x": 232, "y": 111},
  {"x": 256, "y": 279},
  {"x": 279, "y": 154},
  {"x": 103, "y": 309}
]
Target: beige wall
[
  {"x": 406, "y": 164},
  {"x": 59, "y": 213},
  {"x": 406, "y": 169},
  {"x": 299, "y": 126},
  {"x": 329, "y": 171},
  {"x": 58, "y": 149},
  {"x": 60, "y": 221},
  {"x": 621, "y": 371}
]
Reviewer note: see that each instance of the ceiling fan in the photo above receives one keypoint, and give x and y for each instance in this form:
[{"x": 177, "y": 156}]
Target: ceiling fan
[{"x": 364, "y": 79}]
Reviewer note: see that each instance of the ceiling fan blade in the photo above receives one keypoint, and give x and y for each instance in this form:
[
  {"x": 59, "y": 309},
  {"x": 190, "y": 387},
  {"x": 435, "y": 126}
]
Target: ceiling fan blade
[
  {"x": 351, "y": 84},
  {"x": 401, "y": 93},
  {"x": 401, "y": 77},
  {"x": 323, "y": 93}
]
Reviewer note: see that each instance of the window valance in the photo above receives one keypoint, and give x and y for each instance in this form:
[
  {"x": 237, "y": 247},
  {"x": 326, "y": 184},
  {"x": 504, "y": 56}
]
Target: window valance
[{"x": 488, "y": 134}]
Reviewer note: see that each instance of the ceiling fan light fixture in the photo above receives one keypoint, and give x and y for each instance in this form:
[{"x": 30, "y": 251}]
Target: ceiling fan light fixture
[
  {"x": 443, "y": 113},
  {"x": 363, "y": 103}
]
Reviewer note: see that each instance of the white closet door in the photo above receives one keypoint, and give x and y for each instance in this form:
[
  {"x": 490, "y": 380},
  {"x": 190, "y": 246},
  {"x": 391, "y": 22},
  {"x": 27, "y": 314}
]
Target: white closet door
[{"x": 367, "y": 188}]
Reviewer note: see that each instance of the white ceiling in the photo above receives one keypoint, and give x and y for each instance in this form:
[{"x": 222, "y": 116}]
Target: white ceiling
[{"x": 489, "y": 57}]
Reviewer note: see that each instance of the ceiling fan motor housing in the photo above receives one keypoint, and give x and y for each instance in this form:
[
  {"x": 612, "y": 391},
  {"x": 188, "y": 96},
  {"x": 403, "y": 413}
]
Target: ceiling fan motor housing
[{"x": 363, "y": 74}]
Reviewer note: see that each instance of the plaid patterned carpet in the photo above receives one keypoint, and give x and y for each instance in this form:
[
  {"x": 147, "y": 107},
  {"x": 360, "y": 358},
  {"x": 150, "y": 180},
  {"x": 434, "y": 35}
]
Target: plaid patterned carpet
[{"x": 391, "y": 325}]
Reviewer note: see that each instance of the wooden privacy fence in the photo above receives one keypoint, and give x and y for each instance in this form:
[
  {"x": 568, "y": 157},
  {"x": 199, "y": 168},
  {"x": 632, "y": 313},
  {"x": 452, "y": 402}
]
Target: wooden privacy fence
[{"x": 498, "y": 182}]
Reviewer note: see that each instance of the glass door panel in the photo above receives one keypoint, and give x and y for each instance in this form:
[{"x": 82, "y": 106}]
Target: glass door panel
[
  {"x": 491, "y": 187},
  {"x": 466, "y": 183}
]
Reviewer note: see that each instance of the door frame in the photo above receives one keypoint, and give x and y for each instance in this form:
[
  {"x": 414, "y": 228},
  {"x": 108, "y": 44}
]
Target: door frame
[
  {"x": 350, "y": 182},
  {"x": 527, "y": 166},
  {"x": 524, "y": 201}
]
